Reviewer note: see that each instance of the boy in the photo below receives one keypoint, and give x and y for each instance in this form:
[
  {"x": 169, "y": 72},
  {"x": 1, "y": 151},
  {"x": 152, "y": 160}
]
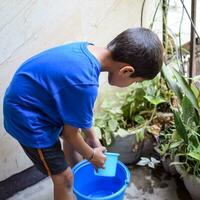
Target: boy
[{"x": 52, "y": 95}]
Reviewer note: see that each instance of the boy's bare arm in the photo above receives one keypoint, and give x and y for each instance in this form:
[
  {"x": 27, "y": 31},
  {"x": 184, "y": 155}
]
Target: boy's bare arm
[
  {"x": 91, "y": 137},
  {"x": 73, "y": 136}
]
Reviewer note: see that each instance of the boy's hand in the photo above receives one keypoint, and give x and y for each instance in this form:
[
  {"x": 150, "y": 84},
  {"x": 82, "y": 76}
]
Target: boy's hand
[{"x": 99, "y": 158}]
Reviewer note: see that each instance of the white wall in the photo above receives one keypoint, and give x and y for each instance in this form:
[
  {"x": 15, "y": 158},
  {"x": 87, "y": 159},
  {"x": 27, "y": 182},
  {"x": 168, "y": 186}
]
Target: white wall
[{"x": 30, "y": 26}]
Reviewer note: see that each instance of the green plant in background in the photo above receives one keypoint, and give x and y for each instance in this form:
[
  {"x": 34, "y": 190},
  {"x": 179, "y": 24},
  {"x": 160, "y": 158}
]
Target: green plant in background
[
  {"x": 138, "y": 110},
  {"x": 187, "y": 120},
  {"x": 108, "y": 121}
]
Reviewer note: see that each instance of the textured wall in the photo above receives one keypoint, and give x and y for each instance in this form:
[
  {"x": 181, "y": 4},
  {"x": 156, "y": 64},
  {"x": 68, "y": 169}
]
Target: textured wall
[{"x": 30, "y": 26}]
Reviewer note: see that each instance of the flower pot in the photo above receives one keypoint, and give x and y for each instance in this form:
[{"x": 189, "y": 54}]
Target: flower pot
[
  {"x": 166, "y": 161},
  {"x": 191, "y": 182},
  {"x": 127, "y": 147}
]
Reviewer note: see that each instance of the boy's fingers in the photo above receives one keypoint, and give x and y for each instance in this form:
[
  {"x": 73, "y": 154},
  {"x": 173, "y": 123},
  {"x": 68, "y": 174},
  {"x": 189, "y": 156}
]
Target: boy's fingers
[
  {"x": 96, "y": 169},
  {"x": 103, "y": 149}
]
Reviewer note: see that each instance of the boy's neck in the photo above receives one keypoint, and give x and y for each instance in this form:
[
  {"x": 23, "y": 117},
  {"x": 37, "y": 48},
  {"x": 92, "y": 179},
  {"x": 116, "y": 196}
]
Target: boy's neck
[{"x": 103, "y": 55}]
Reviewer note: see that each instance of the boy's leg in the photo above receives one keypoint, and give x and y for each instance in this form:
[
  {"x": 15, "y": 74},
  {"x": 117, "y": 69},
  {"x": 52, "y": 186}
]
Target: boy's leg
[
  {"x": 51, "y": 161},
  {"x": 63, "y": 185}
]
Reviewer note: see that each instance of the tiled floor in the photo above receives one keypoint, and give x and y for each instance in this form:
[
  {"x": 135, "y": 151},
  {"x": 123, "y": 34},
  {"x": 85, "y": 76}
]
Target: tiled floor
[{"x": 146, "y": 184}]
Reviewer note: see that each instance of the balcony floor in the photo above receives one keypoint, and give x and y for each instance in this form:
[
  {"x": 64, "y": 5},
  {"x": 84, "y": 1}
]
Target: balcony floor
[{"x": 146, "y": 184}]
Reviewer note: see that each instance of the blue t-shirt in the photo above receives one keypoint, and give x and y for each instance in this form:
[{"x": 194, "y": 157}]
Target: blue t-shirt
[{"x": 56, "y": 87}]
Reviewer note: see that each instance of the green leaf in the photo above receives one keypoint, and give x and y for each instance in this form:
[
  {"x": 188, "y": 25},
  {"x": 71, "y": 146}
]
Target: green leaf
[
  {"x": 139, "y": 133},
  {"x": 122, "y": 132},
  {"x": 98, "y": 132},
  {"x": 154, "y": 99},
  {"x": 189, "y": 113},
  {"x": 169, "y": 77},
  {"x": 180, "y": 128},
  {"x": 112, "y": 124},
  {"x": 193, "y": 139},
  {"x": 186, "y": 88},
  {"x": 139, "y": 119},
  {"x": 101, "y": 123},
  {"x": 175, "y": 144},
  {"x": 195, "y": 155},
  {"x": 108, "y": 138}
]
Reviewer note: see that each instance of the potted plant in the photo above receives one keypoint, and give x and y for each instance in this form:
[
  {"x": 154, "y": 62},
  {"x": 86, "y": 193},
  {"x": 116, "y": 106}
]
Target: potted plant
[
  {"x": 187, "y": 126},
  {"x": 131, "y": 122}
]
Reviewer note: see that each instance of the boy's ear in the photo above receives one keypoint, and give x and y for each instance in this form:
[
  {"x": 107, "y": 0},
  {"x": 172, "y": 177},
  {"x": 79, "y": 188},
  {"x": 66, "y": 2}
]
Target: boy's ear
[{"x": 126, "y": 71}]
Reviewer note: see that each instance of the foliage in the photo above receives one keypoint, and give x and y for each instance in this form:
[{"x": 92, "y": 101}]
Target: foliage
[
  {"x": 187, "y": 122},
  {"x": 146, "y": 161},
  {"x": 133, "y": 111}
]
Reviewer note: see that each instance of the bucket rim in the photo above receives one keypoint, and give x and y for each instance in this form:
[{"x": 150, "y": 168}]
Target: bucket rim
[{"x": 126, "y": 182}]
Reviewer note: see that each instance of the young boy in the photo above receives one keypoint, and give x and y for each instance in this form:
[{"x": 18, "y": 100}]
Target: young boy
[{"x": 52, "y": 95}]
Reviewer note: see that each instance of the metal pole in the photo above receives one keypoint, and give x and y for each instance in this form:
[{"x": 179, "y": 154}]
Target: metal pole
[
  {"x": 192, "y": 66},
  {"x": 164, "y": 23}
]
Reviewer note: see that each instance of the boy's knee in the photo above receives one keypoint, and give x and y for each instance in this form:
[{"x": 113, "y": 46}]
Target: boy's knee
[{"x": 65, "y": 178}]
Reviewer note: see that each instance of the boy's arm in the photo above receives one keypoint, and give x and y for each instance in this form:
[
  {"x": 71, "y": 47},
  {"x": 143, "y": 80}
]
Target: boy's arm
[
  {"x": 91, "y": 137},
  {"x": 73, "y": 136}
]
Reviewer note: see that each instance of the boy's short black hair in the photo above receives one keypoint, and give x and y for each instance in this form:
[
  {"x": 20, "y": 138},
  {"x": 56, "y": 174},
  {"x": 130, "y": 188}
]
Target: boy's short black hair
[{"x": 140, "y": 48}]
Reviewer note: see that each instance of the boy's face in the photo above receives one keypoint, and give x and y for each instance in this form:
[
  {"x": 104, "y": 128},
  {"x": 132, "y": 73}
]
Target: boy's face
[{"x": 122, "y": 80}]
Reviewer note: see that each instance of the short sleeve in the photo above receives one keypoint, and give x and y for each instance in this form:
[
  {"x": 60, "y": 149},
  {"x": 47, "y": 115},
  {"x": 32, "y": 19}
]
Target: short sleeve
[{"x": 75, "y": 105}]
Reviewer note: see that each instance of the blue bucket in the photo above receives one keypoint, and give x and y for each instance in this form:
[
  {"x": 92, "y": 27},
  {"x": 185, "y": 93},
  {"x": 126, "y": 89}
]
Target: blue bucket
[{"x": 88, "y": 186}]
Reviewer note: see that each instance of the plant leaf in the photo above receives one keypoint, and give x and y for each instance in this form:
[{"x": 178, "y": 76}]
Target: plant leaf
[
  {"x": 143, "y": 161},
  {"x": 180, "y": 128},
  {"x": 98, "y": 132},
  {"x": 139, "y": 133},
  {"x": 168, "y": 75},
  {"x": 154, "y": 161},
  {"x": 108, "y": 138},
  {"x": 122, "y": 132},
  {"x": 195, "y": 155},
  {"x": 112, "y": 124},
  {"x": 175, "y": 144},
  {"x": 155, "y": 100},
  {"x": 189, "y": 113},
  {"x": 151, "y": 165},
  {"x": 139, "y": 119},
  {"x": 186, "y": 88}
]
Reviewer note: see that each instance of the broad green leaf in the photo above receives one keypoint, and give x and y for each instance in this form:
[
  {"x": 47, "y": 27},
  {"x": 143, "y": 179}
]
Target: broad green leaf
[
  {"x": 108, "y": 138},
  {"x": 139, "y": 133},
  {"x": 175, "y": 144},
  {"x": 100, "y": 123},
  {"x": 189, "y": 113},
  {"x": 139, "y": 119},
  {"x": 164, "y": 148},
  {"x": 113, "y": 124},
  {"x": 98, "y": 132},
  {"x": 193, "y": 139},
  {"x": 180, "y": 128},
  {"x": 169, "y": 77},
  {"x": 154, "y": 100},
  {"x": 186, "y": 88},
  {"x": 122, "y": 132},
  {"x": 195, "y": 155}
]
